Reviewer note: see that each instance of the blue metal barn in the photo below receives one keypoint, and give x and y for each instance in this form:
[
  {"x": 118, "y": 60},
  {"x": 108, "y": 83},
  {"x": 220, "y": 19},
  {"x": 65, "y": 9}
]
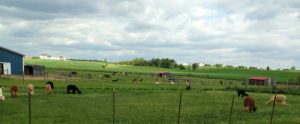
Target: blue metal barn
[{"x": 11, "y": 62}]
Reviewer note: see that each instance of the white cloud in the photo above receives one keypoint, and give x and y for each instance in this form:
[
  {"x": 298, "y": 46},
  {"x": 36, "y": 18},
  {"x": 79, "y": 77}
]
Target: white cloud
[{"x": 211, "y": 31}]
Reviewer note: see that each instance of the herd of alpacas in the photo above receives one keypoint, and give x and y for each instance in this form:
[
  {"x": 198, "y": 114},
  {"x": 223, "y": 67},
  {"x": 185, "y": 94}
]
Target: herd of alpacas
[
  {"x": 249, "y": 103},
  {"x": 30, "y": 90}
]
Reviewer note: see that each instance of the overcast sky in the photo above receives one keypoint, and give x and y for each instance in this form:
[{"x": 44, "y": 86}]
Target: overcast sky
[{"x": 234, "y": 32}]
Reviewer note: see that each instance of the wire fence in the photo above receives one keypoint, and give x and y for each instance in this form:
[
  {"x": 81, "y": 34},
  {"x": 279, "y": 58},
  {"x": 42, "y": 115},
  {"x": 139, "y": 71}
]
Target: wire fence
[
  {"x": 83, "y": 111},
  {"x": 119, "y": 107}
]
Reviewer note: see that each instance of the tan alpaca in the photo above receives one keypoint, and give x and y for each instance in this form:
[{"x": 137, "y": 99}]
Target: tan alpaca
[
  {"x": 30, "y": 89},
  {"x": 48, "y": 89},
  {"x": 280, "y": 98}
]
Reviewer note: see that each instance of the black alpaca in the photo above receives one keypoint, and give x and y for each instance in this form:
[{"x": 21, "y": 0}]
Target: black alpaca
[
  {"x": 242, "y": 93},
  {"x": 116, "y": 80},
  {"x": 134, "y": 80},
  {"x": 51, "y": 84},
  {"x": 73, "y": 88}
]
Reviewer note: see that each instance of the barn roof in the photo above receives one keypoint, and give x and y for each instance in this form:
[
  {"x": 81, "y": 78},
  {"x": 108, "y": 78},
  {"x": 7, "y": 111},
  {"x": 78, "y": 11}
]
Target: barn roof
[
  {"x": 258, "y": 78},
  {"x": 11, "y": 51}
]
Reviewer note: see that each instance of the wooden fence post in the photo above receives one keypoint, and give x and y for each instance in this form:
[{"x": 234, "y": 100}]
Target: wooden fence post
[
  {"x": 271, "y": 121},
  {"x": 179, "y": 108},
  {"x": 29, "y": 107},
  {"x": 66, "y": 76},
  {"x": 114, "y": 98},
  {"x": 44, "y": 75},
  {"x": 231, "y": 109},
  {"x": 23, "y": 76}
]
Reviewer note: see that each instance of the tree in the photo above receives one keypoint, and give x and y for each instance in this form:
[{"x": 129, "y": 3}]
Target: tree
[
  {"x": 218, "y": 65},
  {"x": 139, "y": 62},
  {"x": 207, "y": 65},
  {"x": 195, "y": 66},
  {"x": 167, "y": 63},
  {"x": 154, "y": 62},
  {"x": 229, "y": 66},
  {"x": 252, "y": 67},
  {"x": 293, "y": 68},
  {"x": 268, "y": 68},
  {"x": 181, "y": 67},
  {"x": 242, "y": 67}
]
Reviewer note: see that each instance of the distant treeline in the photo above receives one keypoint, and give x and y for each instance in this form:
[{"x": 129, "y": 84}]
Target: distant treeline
[
  {"x": 156, "y": 62},
  {"x": 89, "y": 60},
  {"x": 171, "y": 63}
]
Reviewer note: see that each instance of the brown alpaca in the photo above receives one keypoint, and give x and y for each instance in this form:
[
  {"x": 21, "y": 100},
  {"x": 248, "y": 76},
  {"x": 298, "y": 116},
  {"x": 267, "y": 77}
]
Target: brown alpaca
[
  {"x": 280, "y": 98},
  {"x": 249, "y": 104},
  {"x": 14, "y": 90},
  {"x": 48, "y": 89},
  {"x": 30, "y": 89}
]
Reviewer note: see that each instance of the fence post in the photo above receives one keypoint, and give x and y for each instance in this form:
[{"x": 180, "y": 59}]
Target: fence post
[
  {"x": 179, "y": 108},
  {"x": 23, "y": 76},
  {"x": 229, "y": 122},
  {"x": 44, "y": 75},
  {"x": 273, "y": 108},
  {"x": 29, "y": 107},
  {"x": 114, "y": 98}
]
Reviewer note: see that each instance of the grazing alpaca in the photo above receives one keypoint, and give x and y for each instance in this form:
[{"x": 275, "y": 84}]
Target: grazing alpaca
[
  {"x": 242, "y": 93},
  {"x": 280, "y": 98},
  {"x": 188, "y": 85},
  {"x": 1, "y": 95},
  {"x": 73, "y": 88},
  {"x": 14, "y": 90},
  {"x": 48, "y": 89},
  {"x": 157, "y": 81},
  {"x": 134, "y": 80},
  {"x": 172, "y": 82},
  {"x": 249, "y": 104},
  {"x": 116, "y": 80},
  {"x": 51, "y": 84},
  {"x": 30, "y": 89}
]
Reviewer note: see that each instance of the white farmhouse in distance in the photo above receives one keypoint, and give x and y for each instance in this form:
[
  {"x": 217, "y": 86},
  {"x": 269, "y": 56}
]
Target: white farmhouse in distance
[
  {"x": 201, "y": 64},
  {"x": 46, "y": 56}
]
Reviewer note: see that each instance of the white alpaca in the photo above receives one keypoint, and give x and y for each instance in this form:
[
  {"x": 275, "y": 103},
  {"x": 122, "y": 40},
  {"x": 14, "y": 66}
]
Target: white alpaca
[
  {"x": 172, "y": 82},
  {"x": 1, "y": 95}
]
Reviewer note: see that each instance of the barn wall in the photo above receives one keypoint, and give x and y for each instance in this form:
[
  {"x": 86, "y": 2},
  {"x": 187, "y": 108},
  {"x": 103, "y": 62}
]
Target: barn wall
[{"x": 14, "y": 59}]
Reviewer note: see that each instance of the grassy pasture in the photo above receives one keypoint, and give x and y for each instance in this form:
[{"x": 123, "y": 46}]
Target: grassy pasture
[
  {"x": 142, "y": 102},
  {"x": 219, "y": 73},
  {"x": 139, "y": 102}
]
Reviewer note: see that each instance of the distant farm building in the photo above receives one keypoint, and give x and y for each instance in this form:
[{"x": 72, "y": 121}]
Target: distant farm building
[
  {"x": 34, "y": 70},
  {"x": 49, "y": 57},
  {"x": 201, "y": 64},
  {"x": 164, "y": 74},
  {"x": 262, "y": 81},
  {"x": 11, "y": 62}
]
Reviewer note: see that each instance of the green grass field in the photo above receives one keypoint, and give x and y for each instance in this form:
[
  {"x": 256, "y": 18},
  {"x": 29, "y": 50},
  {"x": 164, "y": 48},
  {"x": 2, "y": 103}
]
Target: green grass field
[
  {"x": 136, "y": 103},
  {"x": 219, "y": 73},
  {"x": 143, "y": 102}
]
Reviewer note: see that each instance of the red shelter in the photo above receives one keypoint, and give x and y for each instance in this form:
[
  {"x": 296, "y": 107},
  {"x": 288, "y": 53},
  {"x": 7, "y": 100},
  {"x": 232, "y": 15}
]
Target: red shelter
[{"x": 259, "y": 81}]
